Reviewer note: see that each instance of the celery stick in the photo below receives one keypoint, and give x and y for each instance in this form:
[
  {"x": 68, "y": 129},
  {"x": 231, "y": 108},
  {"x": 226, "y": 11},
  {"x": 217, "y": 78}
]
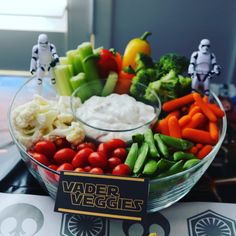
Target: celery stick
[
  {"x": 83, "y": 91},
  {"x": 110, "y": 84},
  {"x": 85, "y": 49},
  {"x": 96, "y": 51},
  {"x": 91, "y": 71},
  {"x": 78, "y": 80},
  {"x": 64, "y": 61},
  {"x": 70, "y": 69},
  {"x": 78, "y": 64},
  {"x": 75, "y": 61},
  {"x": 62, "y": 76}
]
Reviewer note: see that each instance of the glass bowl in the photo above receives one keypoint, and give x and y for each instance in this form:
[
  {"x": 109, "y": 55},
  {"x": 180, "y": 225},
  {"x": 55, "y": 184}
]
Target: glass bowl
[{"x": 163, "y": 192}]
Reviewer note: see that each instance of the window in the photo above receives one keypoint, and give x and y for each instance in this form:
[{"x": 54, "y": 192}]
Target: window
[{"x": 34, "y": 15}]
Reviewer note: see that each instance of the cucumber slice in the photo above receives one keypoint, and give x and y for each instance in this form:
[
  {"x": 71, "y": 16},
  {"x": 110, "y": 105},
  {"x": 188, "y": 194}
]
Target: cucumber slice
[
  {"x": 110, "y": 84},
  {"x": 78, "y": 80}
]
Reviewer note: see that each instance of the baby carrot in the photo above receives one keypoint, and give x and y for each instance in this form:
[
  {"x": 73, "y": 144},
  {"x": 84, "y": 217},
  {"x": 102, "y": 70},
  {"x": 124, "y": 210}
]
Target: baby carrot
[
  {"x": 204, "y": 107},
  {"x": 199, "y": 145},
  {"x": 197, "y": 136},
  {"x": 184, "y": 120},
  {"x": 162, "y": 127},
  {"x": 197, "y": 120},
  {"x": 205, "y": 99},
  {"x": 195, "y": 109},
  {"x": 216, "y": 110},
  {"x": 214, "y": 131},
  {"x": 175, "y": 113},
  {"x": 174, "y": 128},
  {"x": 177, "y": 103},
  {"x": 204, "y": 151},
  {"x": 193, "y": 150}
]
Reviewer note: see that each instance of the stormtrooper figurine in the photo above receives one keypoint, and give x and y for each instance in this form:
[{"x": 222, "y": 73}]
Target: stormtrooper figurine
[
  {"x": 44, "y": 58},
  {"x": 203, "y": 67}
]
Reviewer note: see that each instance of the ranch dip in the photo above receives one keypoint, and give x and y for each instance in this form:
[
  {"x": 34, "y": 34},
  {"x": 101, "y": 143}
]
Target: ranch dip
[{"x": 114, "y": 112}]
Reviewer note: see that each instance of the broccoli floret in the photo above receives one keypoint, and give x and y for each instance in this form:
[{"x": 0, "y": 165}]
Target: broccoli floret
[
  {"x": 151, "y": 91},
  {"x": 172, "y": 61},
  {"x": 143, "y": 61},
  {"x": 185, "y": 85},
  {"x": 167, "y": 88},
  {"x": 139, "y": 84}
]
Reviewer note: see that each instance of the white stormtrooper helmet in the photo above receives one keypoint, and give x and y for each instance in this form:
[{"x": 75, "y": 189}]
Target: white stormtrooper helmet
[
  {"x": 204, "y": 45},
  {"x": 43, "y": 41}
]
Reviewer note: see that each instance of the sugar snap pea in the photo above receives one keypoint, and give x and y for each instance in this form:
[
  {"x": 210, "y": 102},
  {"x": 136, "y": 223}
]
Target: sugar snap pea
[
  {"x": 179, "y": 144},
  {"x": 150, "y": 167},
  {"x": 176, "y": 168},
  {"x": 132, "y": 156},
  {"x": 148, "y": 138},
  {"x": 180, "y": 155},
  {"x": 190, "y": 163},
  {"x": 138, "y": 138},
  {"x": 163, "y": 165},
  {"x": 161, "y": 146},
  {"x": 142, "y": 157}
]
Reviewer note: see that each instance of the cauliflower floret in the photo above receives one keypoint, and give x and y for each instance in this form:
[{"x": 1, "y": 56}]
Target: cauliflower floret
[
  {"x": 74, "y": 133},
  {"x": 46, "y": 119},
  {"x": 28, "y": 140},
  {"x": 64, "y": 104},
  {"x": 65, "y": 118},
  {"x": 24, "y": 116}
]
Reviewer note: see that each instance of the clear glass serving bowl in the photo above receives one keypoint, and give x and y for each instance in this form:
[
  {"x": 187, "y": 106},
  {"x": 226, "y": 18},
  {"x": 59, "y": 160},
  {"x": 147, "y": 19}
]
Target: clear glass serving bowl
[{"x": 163, "y": 192}]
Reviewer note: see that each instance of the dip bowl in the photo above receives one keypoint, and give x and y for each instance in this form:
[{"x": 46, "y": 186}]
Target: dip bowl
[
  {"x": 163, "y": 192},
  {"x": 106, "y": 116}
]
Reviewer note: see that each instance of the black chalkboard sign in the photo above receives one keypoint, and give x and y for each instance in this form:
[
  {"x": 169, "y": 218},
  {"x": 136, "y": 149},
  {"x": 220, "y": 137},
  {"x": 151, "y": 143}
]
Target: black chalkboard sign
[{"x": 108, "y": 196}]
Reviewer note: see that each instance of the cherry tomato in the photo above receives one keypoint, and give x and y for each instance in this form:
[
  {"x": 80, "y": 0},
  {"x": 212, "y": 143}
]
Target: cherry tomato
[
  {"x": 97, "y": 170},
  {"x": 53, "y": 167},
  {"x": 61, "y": 143},
  {"x": 87, "y": 168},
  {"x": 65, "y": 166},
  {"x": 79, "y": 169},
  {"x": 113, "y": 162},
  {"x": 45, "y": 147},
  {"x": 115, "y": 143},
  {"x": 121, "y": 169},
  {"x": 81, "y": 157},
  {"x": 120, "y": 153},
  {"x": 40, "y": 158},
  {"x": 86, "y": 145},
  {"x": 102, "y": 147},
  {"x": 97, "y": 159},
  {"x": 64, "y": 155}
]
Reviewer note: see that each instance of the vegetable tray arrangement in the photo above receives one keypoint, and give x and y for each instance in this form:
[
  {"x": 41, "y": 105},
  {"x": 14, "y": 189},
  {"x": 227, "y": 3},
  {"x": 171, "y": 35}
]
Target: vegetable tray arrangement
[{"x": 186, "y": 132}]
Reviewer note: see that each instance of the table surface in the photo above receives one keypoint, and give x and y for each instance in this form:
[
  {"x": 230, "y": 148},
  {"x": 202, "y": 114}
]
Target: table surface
[{"x": 218, "y": 184}]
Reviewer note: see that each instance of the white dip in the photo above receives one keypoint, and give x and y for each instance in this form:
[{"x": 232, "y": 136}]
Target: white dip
[{"x": 114, "y": 112}]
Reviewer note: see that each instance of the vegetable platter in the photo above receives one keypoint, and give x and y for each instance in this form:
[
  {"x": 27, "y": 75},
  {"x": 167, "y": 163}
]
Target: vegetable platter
[{"x": 172, "y": 147}]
